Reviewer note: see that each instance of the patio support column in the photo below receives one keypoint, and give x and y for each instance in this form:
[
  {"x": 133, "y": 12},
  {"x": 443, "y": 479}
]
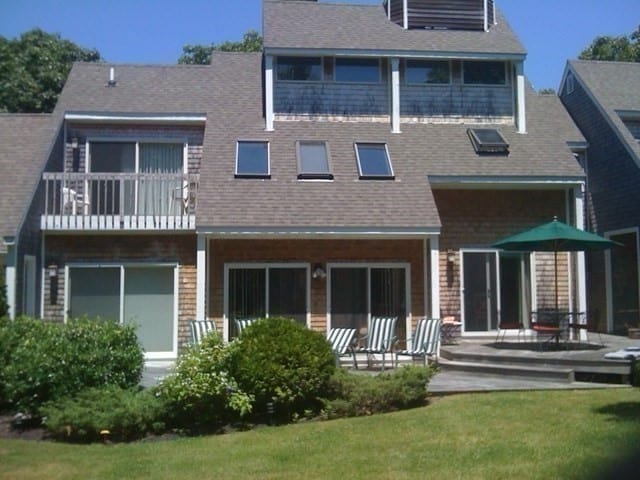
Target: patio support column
[
  {"x": 268, "y": 92},
  {"x": 395, "y": 95},
  {"x": 201, "y": 278},
  {"x": 581, "y": 271},
  {"x": 10, "y": 278},
  {"x": 520, "y": 98},
  {"x": 434, "y": 244}
]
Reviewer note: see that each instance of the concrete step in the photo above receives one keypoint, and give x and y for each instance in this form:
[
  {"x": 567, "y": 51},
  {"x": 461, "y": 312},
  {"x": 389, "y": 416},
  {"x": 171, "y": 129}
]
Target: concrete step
[{"x": 555, "y": 374}]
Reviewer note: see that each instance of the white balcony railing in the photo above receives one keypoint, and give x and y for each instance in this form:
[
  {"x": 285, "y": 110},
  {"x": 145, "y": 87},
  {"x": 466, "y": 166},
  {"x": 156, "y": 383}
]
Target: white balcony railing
[{"x": 119, "y": 201}]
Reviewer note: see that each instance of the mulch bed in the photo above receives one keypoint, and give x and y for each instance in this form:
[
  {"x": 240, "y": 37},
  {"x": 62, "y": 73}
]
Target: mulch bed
[{"x": 26, "y": 433}]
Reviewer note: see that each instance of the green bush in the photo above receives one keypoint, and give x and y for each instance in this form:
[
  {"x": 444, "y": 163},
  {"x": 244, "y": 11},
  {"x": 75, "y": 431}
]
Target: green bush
[
  {"x": 48, "y": 361},
  {"x": 4, "y": 305},
  {"x": 361, "y": 394},
  {"x": 282, "y": 363},
  {"x": 126, "y": 414},
  {"x": 201, "y": 395}
]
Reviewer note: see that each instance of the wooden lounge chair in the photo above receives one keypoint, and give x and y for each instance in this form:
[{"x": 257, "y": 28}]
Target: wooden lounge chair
[
  {"x": 425, "y": 341},
  {"x": 342, "y": 341},
  {"x": 380, "y": 337},
  {"x": 199, "y": 329}
]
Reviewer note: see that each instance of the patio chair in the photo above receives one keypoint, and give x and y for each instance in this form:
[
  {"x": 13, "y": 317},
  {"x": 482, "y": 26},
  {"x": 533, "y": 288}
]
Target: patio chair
[
  {"x": 199, "y": 329},
  {"x": 380, "y": 337},
  {"x": 425, "y": 341},
  {"x": 503, "y": 326},
  {"x": 342, "y": 342},
  {"x": 242, "y": 323}
]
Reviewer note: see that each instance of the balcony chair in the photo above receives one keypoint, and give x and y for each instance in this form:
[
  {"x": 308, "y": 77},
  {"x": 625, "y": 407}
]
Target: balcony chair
[
  {"x": 199, "y": 329},
  {"x": 425, "y": 341},
  {"x": 242, "y": 323},
  {"x": 380, "y": 337},
  {"x": 342, "y": 341}
]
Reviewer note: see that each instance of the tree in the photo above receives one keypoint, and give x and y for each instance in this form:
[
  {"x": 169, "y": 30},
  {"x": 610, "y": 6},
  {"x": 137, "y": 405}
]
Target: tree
[
  {"x": 547, "y": 91},
  {"x": 201, "y": 54},
  {"x": 620, "y": 49},
  {"x": 33, "y": 69}
]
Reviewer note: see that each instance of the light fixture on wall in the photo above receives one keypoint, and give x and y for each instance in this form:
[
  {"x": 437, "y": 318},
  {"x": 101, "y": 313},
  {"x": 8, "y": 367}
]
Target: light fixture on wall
[
  {"x": 318, "y": 272},
  {"x": 74, "y": 143},
  {"x": 451, "y": 255}
]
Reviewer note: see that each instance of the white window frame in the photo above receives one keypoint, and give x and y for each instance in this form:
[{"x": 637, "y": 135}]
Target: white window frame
[
  {"x": 570, "y": 87},
  {"x": 362, "y": 176},
  {"x": 369, "y": 266},
  {"x": 122, "y": 266},
  {"x": 253, "y": 175},
  {"x": 263, "y": 266}
]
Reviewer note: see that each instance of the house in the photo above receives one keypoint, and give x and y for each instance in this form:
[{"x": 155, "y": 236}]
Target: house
[
  {"x": 22, "y": 139},
  {"x": 360, "y": 165},
  {"x": 603, "y": 98}
]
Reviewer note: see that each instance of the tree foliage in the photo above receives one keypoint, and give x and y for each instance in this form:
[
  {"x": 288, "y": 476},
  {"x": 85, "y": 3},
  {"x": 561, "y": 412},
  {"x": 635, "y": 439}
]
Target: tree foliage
[
  {"x": 201, "y": 54},
  {"x": 33, "y": 69},
  {"x": 619, "y": 49}
]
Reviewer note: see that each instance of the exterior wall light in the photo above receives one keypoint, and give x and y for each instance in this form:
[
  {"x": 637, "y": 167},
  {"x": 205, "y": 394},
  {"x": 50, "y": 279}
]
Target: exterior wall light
[{"x": 318, "y": 272}]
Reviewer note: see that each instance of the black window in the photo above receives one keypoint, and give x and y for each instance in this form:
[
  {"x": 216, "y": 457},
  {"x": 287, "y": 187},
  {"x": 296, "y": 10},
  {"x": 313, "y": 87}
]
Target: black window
[
  {"x": 299, "y": 68},
  {"x": 365, "y": 70},
  {"x": 484, "y": 73},
  {"x": 252, "y": 159},
  {"x": 488, "y": 140},
  {"x": 426, "y": 71}
]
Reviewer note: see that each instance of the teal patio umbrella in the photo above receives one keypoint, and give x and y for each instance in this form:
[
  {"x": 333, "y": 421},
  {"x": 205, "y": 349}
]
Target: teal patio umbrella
[{"x": 555, "y": 237}]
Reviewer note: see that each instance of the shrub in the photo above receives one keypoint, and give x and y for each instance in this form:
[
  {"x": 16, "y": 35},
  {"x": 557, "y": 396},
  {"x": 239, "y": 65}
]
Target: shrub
[
  {"x": 200, "y": 395},
  {"x": 48, "y": 361},
  {"x": 4, "y": 306},
  {"x": 282, "y": 363},
  {"x": 127, "y": 414},
  {"x": 362, "y": 394}
]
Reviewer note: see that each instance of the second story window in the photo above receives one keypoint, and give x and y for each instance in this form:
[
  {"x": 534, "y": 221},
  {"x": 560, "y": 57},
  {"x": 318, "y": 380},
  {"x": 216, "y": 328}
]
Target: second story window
[
  {"x": 373, "y": 161},
  {"x": 484, "y": 73},
  {"x": 426, "y": 71},
  {"x": 313, "y": 160},
  {"x": 299, "y": 68},
  {"x": 252, "y": 159},
  {"x": 362, "y": 70}
]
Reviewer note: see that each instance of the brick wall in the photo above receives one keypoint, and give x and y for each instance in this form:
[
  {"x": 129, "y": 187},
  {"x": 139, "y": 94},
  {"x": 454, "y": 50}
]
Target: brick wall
[
  {"x": 180, "y": 249},
  {"x": 477, "y": 218},
  {"x": 312, "y": 252}
]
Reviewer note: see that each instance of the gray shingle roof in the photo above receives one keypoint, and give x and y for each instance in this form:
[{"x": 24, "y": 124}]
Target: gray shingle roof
[
  {"x": 22, "y": 139},
  {"x": 418, "y": 152},
  {"x": 310, "y": 25},
  {"x": 615, "y": 87}
]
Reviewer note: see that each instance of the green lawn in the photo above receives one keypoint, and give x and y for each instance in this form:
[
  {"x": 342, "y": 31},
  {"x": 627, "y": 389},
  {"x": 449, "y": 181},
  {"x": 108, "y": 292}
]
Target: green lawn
[{"x": 557, "y": 434}]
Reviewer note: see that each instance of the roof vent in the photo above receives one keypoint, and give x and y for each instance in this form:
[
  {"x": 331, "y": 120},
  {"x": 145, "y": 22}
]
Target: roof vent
[
  {"x": 442, "y": 14},
  {"x": 112, "y": 77}
]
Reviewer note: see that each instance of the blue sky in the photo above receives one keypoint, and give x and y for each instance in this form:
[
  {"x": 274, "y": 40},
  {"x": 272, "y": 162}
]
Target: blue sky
[{"x": 154, "y": 31}]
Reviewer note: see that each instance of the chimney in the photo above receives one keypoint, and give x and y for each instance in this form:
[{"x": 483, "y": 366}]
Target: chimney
[{"x": 112, "y": 77}]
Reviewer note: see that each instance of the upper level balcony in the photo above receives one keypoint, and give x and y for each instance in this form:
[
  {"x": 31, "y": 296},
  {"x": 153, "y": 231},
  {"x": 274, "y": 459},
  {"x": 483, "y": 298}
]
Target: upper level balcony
[{"x": 119, "y": 201}]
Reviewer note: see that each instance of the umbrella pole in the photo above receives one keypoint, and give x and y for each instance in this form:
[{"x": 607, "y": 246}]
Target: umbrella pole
[{"x": 555, "y": 265}]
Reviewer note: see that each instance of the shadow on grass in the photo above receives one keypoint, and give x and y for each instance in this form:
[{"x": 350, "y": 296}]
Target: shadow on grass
[{"x": 623, "y": 411}]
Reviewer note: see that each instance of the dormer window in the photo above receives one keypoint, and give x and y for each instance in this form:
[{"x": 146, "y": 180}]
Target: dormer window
[
  {"x": 252, "y": 159},
  {"x": 299, "y": 68},
  {"x": 484, "y": 73},
  {"x": 488, "y": 140},
  {"x": 313, "y": 160},
  {"x": 373, "y": 161},
  {"x": 426, "y": 71},
  {"x": 361, "y": 70}
]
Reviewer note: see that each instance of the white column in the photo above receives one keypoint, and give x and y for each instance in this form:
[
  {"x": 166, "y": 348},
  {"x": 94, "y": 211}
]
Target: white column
[
  {"x": 434, "y": 244},
  {"x": 201, "y": 278},
  {"x": 10, "y": 278},
  {"x": 268, "y": 92},
  {"x": 405, "y": 14},
  {"x": 581, "y": 271},
  {"x": 520, "y": 94},
  {"x": 395, "y": 95}
]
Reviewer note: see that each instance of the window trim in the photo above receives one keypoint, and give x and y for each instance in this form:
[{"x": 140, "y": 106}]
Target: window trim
[
  {"x": 314, "y": 175},
  {"x": 570, "y": 83},
  {"x": 262, "y": 266},
  {"x": 348, "y": 82},
  {"x": 506, "y": 74},
  {"x": 426, "y": 60},
  {"x": 362, "y": 176},
  {"x": 253, "y": 175}
]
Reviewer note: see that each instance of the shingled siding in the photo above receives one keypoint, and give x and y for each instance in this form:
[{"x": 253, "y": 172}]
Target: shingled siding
[
  {"x": 292, "y": 99},
  {"x": 476, "y": 219},
  {"x": 192, "y": 134},
  {"x": 179, "y": 249},
  {"x": 315, "y": 252},
  {"x": 420, "y": 103}
]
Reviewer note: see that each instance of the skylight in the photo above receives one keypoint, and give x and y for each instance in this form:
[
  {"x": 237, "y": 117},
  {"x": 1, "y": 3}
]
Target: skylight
[
  {"x": 373, "y": 161},
  {"x": 252, "y": 159},
  {"x": 313, "y": 160},
  {"x": 488, "y": 140}
]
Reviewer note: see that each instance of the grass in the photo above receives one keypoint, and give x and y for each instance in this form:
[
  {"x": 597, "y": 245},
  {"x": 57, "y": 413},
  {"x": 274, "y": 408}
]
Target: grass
[{"x": 554, "y": 434}]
